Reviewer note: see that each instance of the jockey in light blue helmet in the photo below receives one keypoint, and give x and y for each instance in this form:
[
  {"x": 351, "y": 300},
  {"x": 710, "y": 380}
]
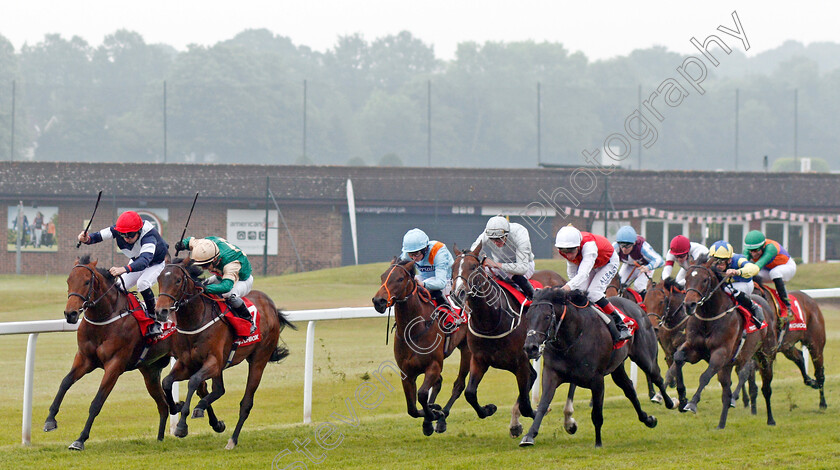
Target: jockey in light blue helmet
[
  {"x": 626, "y": 234},
  {"x": 432, "y": 260}
]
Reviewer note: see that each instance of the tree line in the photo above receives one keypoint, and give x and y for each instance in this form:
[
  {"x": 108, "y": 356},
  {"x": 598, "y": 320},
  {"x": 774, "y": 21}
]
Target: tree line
[{"x": 259, "y": 98}]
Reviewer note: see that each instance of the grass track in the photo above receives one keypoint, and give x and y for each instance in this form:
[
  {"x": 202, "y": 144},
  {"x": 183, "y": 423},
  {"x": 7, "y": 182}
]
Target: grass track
[{"x": 347, "y": 353}]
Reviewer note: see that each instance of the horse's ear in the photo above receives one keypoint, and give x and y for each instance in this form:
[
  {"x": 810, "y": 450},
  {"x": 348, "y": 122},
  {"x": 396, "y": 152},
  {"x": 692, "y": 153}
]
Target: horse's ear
[
  {"x": 395, "y": 260},
  {"x": 186, "y": 261},
  {"x": 93, "y": 263},
  {"x": 478, "y": 248},
  {"x": 455, "y": 249},
  {"x": 409, "y": 266}
]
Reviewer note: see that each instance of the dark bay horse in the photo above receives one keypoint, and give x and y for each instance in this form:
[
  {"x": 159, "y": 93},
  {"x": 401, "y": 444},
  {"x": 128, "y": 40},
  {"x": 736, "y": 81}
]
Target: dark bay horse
[
  {"x": 202, "y": 344},
  {"x": 666, "y": 310},
  {"x": 812, "y": 337},
  {"x": 714, "y": 334},
  {"x": 108, "y": 338},
  {"x": 496, "y": 332},
  {"x": 421, "y": 344},
  {"x": 578, "y": 349}
]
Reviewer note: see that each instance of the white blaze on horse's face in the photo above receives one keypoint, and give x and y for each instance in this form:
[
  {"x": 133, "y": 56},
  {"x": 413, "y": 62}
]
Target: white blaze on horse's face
[
  {"x": 694, "y": 273},
  {"x": 459, "y": 279}
]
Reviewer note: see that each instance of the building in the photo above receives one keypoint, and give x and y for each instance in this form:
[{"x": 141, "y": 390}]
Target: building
[{"x": 308, "y": 214}]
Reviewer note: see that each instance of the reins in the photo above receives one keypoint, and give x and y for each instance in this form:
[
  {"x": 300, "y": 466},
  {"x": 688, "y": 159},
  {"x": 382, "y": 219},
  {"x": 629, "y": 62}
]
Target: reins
[
  {"x": 88, "y": 304},
  {"x": 184, "y": 299}
]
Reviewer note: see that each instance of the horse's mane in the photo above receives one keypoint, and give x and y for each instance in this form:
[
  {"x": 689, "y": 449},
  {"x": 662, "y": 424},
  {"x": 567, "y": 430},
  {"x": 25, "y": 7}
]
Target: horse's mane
[
  {"x": 559, "y": 296},
  {"x": 670, "y": 283},
  {"x": 193, "y": 270},
  {"x": 85, "y": 259},
  {"x": 403, "y": 262},
  {"x": 702, "y": 259}
]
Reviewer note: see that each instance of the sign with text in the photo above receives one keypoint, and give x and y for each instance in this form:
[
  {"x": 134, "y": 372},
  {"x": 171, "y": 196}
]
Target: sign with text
[{"x": 246, "y": 229}]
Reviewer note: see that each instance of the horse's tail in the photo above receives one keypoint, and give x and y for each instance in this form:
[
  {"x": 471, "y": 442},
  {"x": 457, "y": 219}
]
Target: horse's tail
[
  {"x": 281, "y": 352},
  {"x": 284, "y": 322}
]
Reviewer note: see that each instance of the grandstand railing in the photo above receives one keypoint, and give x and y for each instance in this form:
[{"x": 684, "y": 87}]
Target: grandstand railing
[{"x": 34, "y": 328}]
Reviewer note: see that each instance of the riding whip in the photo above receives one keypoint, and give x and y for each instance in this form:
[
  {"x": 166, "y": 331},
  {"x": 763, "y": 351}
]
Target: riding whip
[
  {"x": 188, "y": 221},
  {"x": 79, "y": 243}
]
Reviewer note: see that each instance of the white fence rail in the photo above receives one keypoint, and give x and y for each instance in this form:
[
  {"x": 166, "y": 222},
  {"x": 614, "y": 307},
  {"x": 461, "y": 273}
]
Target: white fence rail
[{"x": 34, "y": 328}]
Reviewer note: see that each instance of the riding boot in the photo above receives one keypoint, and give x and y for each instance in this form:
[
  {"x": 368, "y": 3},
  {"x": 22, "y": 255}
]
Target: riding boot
[
  {"x": 524, "y": 285},
  {"x": 440, "y": 299},
  {"x": 782, "y": 290},
  {"x": 618, "y": 330},
  {"x": 240, "y": 310},
  {"x": 757, "y": 315},
  {"x": 149, "y": 300}
]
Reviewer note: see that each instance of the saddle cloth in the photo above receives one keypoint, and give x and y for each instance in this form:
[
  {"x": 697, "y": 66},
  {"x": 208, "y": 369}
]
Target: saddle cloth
[
  {"x": 241, "y": 328},
  {"x": 629, "y": 321},
  {"x": 138, "y": 311},
  {"x": 517, "y": 294},
  {"x": 797, "y": 323}
]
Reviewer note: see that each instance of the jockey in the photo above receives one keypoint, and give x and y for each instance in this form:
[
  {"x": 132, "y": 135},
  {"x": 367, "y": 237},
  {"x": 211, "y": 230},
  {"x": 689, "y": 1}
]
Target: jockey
[
  {"x": 140, "y": 241},
  {"x": 592, "y": 263},
  {"x": 509, "y": 245},
  {"x": 637, "y": 256},
  {"x": 738, "y": 270},
  {"x": 773, "y": 261},
  {"x": 231, "y": 271},
  {"x": 682, "y": 252},
  {"x": 433, "y": 261}
]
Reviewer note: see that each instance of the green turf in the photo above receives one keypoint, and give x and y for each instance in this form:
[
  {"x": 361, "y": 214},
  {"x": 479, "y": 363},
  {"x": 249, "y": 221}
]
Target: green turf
[{"x": 347, "y": 354}]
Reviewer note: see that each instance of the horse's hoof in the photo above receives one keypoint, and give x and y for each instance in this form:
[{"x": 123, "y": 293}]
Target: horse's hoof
[
  {"x": 682, "y": 406},
  {"x": 669, "y": 403},
  {"x": 77, "y": 445},
  {"x": 516, "y": 431},
  {"x": 428, "y": 428},
  {"x": 489, "y": 410},
  {"x": 50, "y": 425},
  {"x": 571, "y": 428},
  {"x": 656, "y": 398},
  {"x": 690, "y": 407},
  {"x": 198, "y": 413},
  {"x": 231, "y": 444},
  {"x": 435, "y": 406},
  {"x": 733, "y": 402},
  {"x": 823, "y": 406},
  {"x": 440, "y": 426},
  {"x": 219, "y": 427},
  {"x": 526, "y": 441},
  {"x": 181, "y": 430},
  {"x": 771, "y": 422},
  {"x": 650, "y": 421}
]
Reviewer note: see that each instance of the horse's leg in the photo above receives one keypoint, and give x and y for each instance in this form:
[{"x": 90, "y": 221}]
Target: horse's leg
[
  {"x": 680, "y": 358},
  {"x": 215, "y": 423},
  {"x": 569, "y": 423},
  {"x": 795, "y": 355},
  {"x": 716, "y": 361},
  {"x": 753, "y": 391},
  {"x": 816, "y": 350},
  {"x": 477, "y": 371},
  {"x": 255, "y": 372},
  {"x": 743, "y": 378},
  {"x": 650, "y": 366},
  {"x": 621, "y": 379},
  {"x": 457, "y": 389},
  {"x": 765, "y": 368},
  {"x": 81, "y": 366},
  {"x": 151, "y": 375},
  {"x": 525, "y": 378},
  {"x": 409, "y": 384},
  {"x": 178, "y": 373},
  {"x": 113, "y": 369},
  {"x": 210, "y": 368},
  {"x": 217, "y": 391},
  {"x": 725, "y": 379},
  {"x": 431, "y": 377},
  {"x": 598, "y": 408},
  {"x": 550, "y": 382},
  {"x": 652, "y": 394}
]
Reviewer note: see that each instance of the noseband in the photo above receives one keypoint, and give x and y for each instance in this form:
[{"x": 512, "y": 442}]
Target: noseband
[
  {"x": 392, "y": 298},
  {"x": 182, "y": 299},
  {"x": 94, "y": 283}
]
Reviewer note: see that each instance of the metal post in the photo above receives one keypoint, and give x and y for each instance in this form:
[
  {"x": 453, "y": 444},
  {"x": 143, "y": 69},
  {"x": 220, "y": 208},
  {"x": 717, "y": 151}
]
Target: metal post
[
  {"x": 29, "y": 371},
  {"x": 308, "y": 366},
  {"x": 640, "y": 125},
  {"x": 12, "y": 153},
  {"x": 19, "y": 238},
  {"x": 164, "y": 121},
  {"x": 429, "y": 122},
  {"x": 737, "y": 99},
  {"x": 535, "y": 388},
  {"x": 634, "y": 373},
  {"x": 176, "y": 395},
  {"x": 539, "y": 123},
  {"x": 265, "y": 245},
  {"x": 304, "y": 120},
  {"x": 796, "y": 130}
]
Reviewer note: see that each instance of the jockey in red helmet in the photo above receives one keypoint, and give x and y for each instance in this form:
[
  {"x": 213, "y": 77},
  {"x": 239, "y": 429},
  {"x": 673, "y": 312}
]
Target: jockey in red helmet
[{"x": 682, "y": 252}]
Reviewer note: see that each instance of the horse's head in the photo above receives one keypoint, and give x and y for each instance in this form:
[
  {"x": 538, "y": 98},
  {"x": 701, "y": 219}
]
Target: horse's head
[
  {"x": 700, "y": 281},
  {"x": 467, "y": 264},
  {"x": 178, "y": 284},
  {"x": 545, "y": 317},
  {"x": 85, "y": 286},
  {"x": 663, "y": 298},
  {"x": 397, "y": 285}
]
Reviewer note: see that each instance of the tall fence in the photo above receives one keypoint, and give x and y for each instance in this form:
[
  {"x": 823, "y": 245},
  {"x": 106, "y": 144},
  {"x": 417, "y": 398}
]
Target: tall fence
[{"x": 35, "y": 328}]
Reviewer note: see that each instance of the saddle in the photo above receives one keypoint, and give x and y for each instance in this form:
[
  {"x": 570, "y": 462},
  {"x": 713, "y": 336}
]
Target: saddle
[
  {"x": 797, "y": 323},
  {"x": 240, "y": 327},
  {"x": 138, "y": 311},
  {"x": 638, "y": 298},
  {"x": 515, "y": 292}
]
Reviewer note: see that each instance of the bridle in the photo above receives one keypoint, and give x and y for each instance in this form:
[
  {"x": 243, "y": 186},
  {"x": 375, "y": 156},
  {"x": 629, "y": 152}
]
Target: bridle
[
  {"x": 668, "y": 294},
  {"x": 392, "y": 298},
  {"x": 704, "y": 298},
  {"x": 183, "y": 299},
  {"x": 94, "y": 285}
]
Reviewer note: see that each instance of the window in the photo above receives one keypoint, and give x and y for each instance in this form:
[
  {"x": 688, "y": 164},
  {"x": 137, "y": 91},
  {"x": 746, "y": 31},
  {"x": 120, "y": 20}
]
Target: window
[
  {"x": 831, "y": 240},
  {"x": 792, "y": 236},
  {"x": 659, "y": 233},
  {"x": 612, "y": 227},
  {"x": 735, "y": 236}
]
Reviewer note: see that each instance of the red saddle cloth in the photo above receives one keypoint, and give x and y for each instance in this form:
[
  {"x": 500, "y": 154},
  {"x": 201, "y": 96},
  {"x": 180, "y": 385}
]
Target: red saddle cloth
[
  {"x": 241, "y": 327},
  {"x": 749, "y": 326},
  {"x": 797, "y": 323},
  {"x": 638, "y": 297},
  {"x": 517, "y": 294},
  {"x": 144, "y": 322},
  {"x": 455, "y": 317},
  {"x": 631, "y": 325}
]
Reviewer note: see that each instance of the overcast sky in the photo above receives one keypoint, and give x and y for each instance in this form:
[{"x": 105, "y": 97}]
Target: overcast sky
[{"x": 600, "y": 29}]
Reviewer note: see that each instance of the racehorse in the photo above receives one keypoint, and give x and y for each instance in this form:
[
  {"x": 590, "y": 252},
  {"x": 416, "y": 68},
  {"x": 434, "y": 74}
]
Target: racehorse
[
  {"x": 496, "y": 331},
  {"x": 812, "y": 337},
  {"x": 203, "y": 346},
  {"x": 422, "y": 342},
  {"x": 578, "y": 350},
  {"x": 714, "y": 333},
  {"x": 108, "y": 338}
]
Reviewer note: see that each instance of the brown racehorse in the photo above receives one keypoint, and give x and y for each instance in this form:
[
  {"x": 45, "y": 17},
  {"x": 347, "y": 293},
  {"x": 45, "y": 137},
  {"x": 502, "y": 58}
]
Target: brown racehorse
[
  {"x": 497, "y": 331},
  {"x": 714, "y": 333},
  {"x": 421, "y": 343},
  {"x": 202, "y": 344},
  {"x": 813, "y": 337},
  {"x": 108, "y": 338},
  {"x": 666, "y": 310}
]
